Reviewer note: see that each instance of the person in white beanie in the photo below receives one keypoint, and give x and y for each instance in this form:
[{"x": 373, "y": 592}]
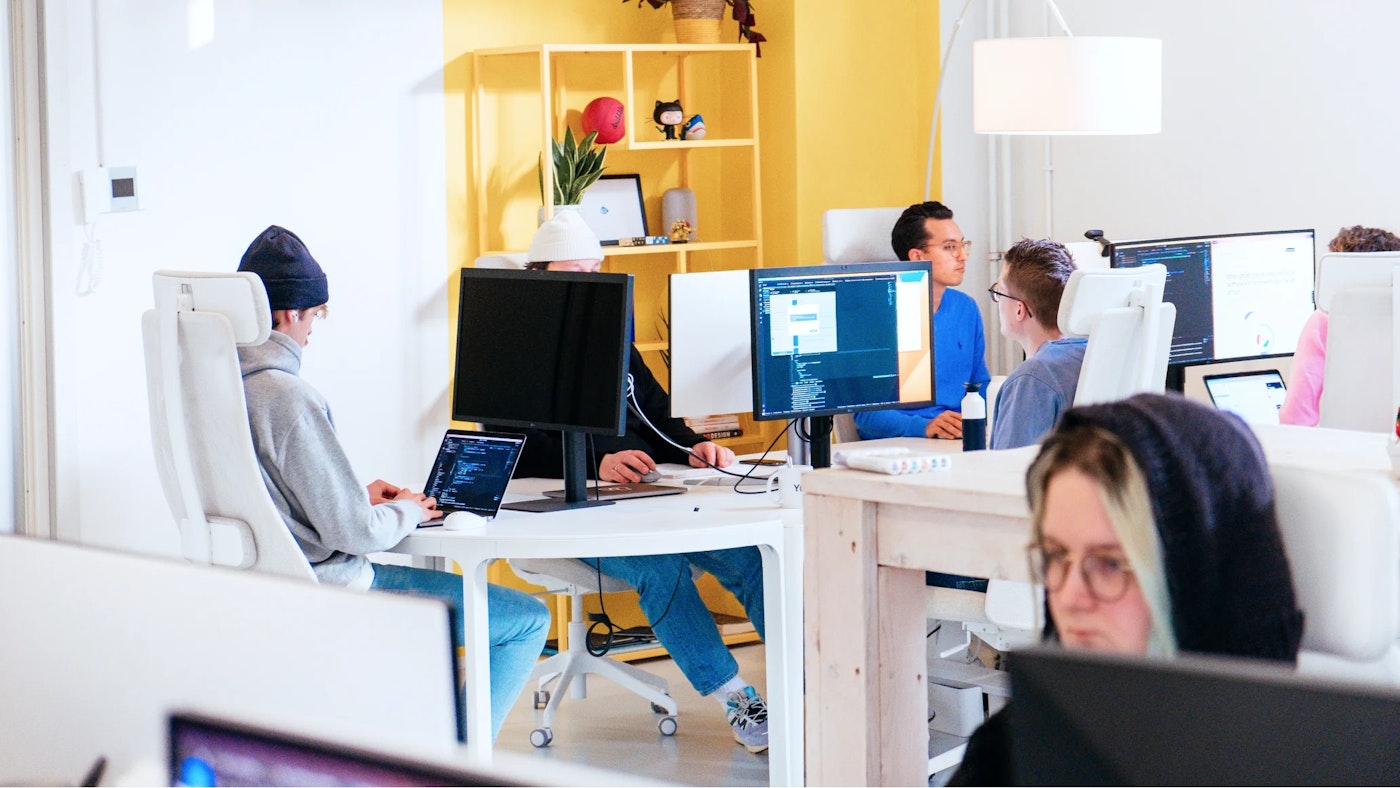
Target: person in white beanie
[{"x": 668, "y": 594}]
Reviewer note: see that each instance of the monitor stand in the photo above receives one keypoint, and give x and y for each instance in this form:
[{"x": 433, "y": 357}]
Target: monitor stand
[
  {"x": 575, "y": 483},
  {"x": 819, "y": 431}
]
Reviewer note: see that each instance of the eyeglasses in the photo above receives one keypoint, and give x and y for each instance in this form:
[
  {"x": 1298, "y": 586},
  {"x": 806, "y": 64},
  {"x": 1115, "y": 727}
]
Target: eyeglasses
[
  {"x": 1106, "y": 576},
  {"x": 997, "y": 295},
  {"x": 952, "y": 248}
]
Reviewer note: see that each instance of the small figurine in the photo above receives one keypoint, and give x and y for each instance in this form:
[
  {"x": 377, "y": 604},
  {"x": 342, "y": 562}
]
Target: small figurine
[
  {"x": 694, "y": 129},
  {"x": 670, "y": 115},
  {"x": 680, "y": 231}
]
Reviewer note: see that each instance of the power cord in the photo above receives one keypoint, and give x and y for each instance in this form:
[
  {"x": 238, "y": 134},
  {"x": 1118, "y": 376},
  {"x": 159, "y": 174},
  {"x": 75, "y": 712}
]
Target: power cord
[{"x": 601, "y": 618}]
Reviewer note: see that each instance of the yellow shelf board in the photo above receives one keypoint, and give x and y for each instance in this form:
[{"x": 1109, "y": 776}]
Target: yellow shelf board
[
  {"x": 682, "y": 49},
  {"x": 738, "y": 142},
  {"x": 651, "y": 347},
  {"x": 694, "y": 246}
]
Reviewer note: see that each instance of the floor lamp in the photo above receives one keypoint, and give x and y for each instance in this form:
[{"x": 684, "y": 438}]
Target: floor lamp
[{"x": 1062, "y": 85}]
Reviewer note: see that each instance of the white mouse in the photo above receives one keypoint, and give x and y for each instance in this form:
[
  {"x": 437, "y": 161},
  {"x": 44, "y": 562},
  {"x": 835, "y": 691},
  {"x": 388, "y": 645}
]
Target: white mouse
[{"x": 464, "y": 521}]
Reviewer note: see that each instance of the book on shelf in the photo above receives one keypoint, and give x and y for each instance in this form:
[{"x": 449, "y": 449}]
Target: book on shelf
[
  {"x": 732, "y": 625},
  {"x": 717, "y": 434},
  {"x": 728, "y": 421}
]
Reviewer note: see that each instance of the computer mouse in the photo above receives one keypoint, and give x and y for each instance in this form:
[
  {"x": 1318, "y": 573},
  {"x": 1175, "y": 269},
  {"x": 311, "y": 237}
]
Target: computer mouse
[
  {"x": 464, "y": 521},
  {"x": 651, "y": 476}
]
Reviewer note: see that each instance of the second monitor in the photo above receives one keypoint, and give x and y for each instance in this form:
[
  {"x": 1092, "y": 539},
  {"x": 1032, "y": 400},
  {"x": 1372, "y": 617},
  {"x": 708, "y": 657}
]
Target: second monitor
[{"x": 834, "y": 339}]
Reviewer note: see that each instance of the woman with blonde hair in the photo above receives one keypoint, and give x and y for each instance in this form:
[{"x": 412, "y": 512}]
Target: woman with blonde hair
[{"x": 1154, "y": 533}]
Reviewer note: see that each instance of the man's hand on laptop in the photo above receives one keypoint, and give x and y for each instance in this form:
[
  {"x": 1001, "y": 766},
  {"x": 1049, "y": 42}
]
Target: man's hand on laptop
[
  {"x": 710, "y": 453},
  {"x": 428, "y": 505},
  {"x": 625, "y": 466},
  {"x": 381, "y": 491}
]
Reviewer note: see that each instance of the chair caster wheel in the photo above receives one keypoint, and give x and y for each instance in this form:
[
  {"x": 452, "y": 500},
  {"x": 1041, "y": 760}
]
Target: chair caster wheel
[
  {"x": 667, "y": 726},
  {"x": 541, "y": 699},
  {"x": 541, "y": 737}
]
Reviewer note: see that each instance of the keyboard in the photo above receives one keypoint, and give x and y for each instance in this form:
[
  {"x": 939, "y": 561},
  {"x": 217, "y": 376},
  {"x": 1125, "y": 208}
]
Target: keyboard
[{"x": 894, "y": 461}]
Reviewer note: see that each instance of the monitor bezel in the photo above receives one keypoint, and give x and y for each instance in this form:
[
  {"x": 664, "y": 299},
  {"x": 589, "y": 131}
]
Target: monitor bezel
[
  {"x": 1176, "y": 370},
  {"x": 828, "y": 269},
  {"x": 618, "y": 425}
]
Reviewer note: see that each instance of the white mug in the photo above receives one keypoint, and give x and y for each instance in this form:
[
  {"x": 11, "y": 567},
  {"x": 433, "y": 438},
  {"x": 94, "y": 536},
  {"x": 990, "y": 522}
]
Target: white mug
[{"x": 787, "y": 483}]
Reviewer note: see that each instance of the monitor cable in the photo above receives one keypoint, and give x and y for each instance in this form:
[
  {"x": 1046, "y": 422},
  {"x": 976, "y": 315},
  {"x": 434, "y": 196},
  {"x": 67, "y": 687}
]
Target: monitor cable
[{"x": 741, "y": 477}]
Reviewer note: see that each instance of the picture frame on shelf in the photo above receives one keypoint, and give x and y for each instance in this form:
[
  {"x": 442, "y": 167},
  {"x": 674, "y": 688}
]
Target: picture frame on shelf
[{"x": 613, "y": 208}]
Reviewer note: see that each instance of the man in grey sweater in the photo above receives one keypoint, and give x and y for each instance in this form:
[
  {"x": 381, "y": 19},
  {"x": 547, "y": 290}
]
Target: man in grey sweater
[{"x": 335, "y": 519}]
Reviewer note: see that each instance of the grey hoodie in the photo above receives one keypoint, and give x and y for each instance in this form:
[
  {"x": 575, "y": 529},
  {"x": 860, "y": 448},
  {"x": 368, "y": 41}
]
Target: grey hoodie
[{"x": 319, "y": 496}]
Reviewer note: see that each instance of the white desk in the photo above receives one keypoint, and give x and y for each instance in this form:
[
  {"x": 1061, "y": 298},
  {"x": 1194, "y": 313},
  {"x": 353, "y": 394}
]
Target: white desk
[
  {"x": 869, "y": 539},
  {"x": 705, "y": 518}
]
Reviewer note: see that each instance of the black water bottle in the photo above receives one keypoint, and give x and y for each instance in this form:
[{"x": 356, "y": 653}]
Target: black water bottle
[{"x": 974, "y": 420}]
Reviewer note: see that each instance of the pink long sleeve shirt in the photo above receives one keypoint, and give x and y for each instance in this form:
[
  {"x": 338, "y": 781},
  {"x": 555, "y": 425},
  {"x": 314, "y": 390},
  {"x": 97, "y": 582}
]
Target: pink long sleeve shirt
[{"x": 1300, "y": 406}]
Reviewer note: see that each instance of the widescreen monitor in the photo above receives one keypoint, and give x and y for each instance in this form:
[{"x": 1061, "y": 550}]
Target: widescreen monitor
[
  {"x": 1237, "y": 296},
  {"x": 834, "y": 339},
  {"x": 1080, "y": 718},
  {"x": 206, "y": 751},
  {"x": 545, "y": 350}
]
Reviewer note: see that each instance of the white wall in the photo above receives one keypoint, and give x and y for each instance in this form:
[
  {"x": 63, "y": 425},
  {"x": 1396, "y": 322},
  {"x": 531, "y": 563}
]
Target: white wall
[
  {"x": 1276, "y": 115},
  {"x": 9, "y": 303},
  {"x": 326, "y": 118}
]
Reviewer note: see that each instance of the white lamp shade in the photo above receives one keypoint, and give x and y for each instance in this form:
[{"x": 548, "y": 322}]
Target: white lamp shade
[{"x": 1067, "y": 85}]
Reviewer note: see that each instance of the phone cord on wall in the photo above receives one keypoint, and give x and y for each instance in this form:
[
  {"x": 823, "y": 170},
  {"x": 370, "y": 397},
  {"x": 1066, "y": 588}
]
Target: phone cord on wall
[{"x": 90, "y": 266}]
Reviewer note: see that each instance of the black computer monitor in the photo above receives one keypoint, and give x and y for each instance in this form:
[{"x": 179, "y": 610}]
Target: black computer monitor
[
  {"x": 206, "y": 751},
  {"x": 1237, "y": 296},
  {"x": 1078, "y": 718},
  {"x": 545, "y": 350},
  {"x": 830, "y": 339}
]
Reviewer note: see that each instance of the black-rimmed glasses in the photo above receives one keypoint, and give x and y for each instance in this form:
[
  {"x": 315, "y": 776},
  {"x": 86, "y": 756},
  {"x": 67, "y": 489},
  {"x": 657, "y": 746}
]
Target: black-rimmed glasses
[
  {"x": 997, "y": 295},
  {"x": 1105, "y": 575}
]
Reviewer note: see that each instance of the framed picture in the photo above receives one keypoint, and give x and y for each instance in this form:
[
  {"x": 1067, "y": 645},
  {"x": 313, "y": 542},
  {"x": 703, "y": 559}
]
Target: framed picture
[{"x": 613, "y": 208}]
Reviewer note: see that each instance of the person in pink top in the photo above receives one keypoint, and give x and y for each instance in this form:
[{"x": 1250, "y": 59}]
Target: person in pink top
[{"x": 1300, "y": 406}]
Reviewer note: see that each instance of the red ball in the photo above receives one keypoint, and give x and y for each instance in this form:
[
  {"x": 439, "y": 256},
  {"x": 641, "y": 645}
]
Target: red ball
[{"x": 605, "y": 116}]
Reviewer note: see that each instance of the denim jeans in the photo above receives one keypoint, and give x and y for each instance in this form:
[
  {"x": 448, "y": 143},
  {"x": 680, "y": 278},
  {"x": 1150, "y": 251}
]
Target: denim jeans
[
  {"x": 686, "y": 628},
  {"x": 517, "y": 629}
]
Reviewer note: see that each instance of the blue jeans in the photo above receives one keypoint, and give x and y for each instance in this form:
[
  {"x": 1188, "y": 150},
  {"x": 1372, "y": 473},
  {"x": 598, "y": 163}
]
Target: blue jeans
[
  {"x": 518, "y": 626},
  {"x": 686, "y": 628}
]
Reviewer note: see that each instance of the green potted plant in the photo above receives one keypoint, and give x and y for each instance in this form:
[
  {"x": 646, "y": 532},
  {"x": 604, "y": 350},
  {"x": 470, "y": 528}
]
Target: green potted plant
[
  {"x": 577, "y": 165},
  {"x": 697, "y": 21}
]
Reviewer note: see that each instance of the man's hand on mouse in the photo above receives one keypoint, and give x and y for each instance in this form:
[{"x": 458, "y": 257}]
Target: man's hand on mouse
[{"x": 625, "y": 466}]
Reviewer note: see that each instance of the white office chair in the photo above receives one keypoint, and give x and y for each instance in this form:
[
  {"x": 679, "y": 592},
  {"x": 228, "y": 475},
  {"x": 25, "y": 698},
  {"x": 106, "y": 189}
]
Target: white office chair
[
  {"x": 199, "y": 421},
  {"x": 858, "y": 235},
  {"x": 1129, "y": 328},
  {"x": 1341, "y": 531},
  {"x": 507, "y": 261},
  {"x": 1359, "y": 390},
  {"x": 572, "y": 666}
]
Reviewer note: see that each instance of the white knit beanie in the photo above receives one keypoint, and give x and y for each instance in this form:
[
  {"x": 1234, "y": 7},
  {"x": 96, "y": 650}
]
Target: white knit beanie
[{"x": 564, "y": 237}]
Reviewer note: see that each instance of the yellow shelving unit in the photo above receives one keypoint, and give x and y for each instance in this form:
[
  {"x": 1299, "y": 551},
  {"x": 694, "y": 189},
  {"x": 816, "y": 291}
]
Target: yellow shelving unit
[{"x": 525, "y": 97}]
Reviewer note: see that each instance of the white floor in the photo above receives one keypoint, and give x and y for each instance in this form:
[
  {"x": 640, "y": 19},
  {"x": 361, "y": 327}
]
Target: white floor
[{"x": 614, "y": 729}]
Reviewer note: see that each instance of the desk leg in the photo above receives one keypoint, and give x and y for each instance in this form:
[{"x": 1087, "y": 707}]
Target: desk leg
[
  {"x": 783, "y": 652},
  {"x": 865, "y": 697},
  {"x": 477, "y": 663}
]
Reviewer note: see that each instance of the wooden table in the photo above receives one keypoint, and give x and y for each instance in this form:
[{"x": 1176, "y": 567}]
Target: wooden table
[{"x": 869, "y": 539}]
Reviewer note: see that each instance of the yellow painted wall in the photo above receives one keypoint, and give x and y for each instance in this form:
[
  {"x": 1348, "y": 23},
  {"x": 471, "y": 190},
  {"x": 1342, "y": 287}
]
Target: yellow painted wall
[{"x": 845, "y": 97}]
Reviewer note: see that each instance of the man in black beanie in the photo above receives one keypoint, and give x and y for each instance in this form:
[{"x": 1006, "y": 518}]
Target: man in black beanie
[{"x": 335, "y": 519}]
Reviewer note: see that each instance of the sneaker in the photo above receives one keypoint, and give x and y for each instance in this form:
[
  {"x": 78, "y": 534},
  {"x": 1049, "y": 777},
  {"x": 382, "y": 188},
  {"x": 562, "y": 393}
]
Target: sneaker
[{"x": 748, "y": 716}]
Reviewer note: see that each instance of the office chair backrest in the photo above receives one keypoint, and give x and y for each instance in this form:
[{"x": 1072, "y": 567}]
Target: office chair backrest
[
  {"x": 1129, "y": 329},
  {"x": 1356, "y": 292},
  {"x": 199, "y": 421},
  {"x": 506, "y": 261},
  {"x": 1341, "y": 531},
  {"x": 858, "y": 235}
]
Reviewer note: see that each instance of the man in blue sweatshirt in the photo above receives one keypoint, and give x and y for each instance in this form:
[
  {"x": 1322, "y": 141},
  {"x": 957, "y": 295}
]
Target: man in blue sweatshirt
[
  {"x": 334, "y": 518},
  {"x": 926, "y": 231}
]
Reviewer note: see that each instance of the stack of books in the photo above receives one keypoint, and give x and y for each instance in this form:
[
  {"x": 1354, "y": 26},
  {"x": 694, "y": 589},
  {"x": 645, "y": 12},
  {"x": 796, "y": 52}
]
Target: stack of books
[{"x": 714, "y": 427}]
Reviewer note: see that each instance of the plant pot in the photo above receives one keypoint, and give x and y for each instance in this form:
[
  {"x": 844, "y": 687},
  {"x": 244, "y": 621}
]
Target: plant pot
[
  {"x": 539, "y": 213},
  {"x": 697, "y": 21}
]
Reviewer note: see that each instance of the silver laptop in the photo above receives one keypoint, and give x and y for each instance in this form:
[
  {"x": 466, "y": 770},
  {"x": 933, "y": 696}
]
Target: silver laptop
[
  {"x": 471, "y": 472},
  {"x": 1254, "y": 396}
]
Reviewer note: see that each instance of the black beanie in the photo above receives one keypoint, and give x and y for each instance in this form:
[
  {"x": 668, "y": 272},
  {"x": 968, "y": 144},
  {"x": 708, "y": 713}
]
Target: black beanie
[
  {"x": 1213, "y": 502},
  {"x": 293, "y": 278}
]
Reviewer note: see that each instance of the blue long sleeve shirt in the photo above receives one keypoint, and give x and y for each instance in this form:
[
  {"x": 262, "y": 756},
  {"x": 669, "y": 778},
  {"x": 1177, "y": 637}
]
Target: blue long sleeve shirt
[{"x": 959, "y": 357}]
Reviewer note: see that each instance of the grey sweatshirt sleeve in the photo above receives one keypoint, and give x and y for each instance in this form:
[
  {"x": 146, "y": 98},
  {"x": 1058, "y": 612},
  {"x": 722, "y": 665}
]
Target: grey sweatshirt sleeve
[{"x": 319, "y": 483}]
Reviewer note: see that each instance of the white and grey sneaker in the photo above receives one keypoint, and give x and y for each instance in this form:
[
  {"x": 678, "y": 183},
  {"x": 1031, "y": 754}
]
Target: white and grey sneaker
[{"x": 748, "y": 716}]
